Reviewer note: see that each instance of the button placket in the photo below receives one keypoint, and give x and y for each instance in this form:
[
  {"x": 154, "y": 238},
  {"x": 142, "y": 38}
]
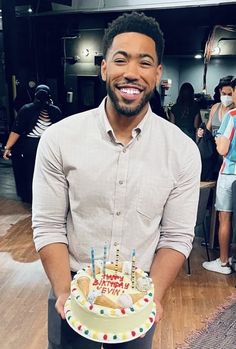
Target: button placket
[{"x": 120, "y": 195}]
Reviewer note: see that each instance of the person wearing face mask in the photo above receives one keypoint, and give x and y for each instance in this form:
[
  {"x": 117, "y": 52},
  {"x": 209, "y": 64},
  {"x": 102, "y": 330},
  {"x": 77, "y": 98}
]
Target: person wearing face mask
[
  {"x": 218, "y": 110},
  {"x": 31, "y": 121},
  {"x": 226, "y": 146}
]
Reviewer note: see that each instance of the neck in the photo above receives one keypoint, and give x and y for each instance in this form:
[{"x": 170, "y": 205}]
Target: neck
[{"x": 123, "y": 125}]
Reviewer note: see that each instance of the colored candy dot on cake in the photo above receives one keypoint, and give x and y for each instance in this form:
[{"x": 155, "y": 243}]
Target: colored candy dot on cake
[
  {"x": 79, "y": 327},
  {"x": 86, "y": 332},
  {"x": 91, "y": 307},
  {"x": 141, "y": 329},
  {"x": 101, "y": 311},
  {"x": 153, "y": 313},
  {"x": 95, "y": 336},
  {"x": 151, "y": 319},
  {"x": 150, "y": 294},
  {"x": 146, "y": 300},
  {"x": 124, "y": 336},
  {"x": 77, "y": 297},
  {"x": 113, "y": 312},
  {"x": 115, "y": 336},
  {"x": 69, "y": 317},
  {"x": 133, "y": 333},
  {"x": 131, "y": 309},
  {"x": 122, "y": 311},
  {"x": 105, "y": 337},
  {"x": 73, "y": 289}
]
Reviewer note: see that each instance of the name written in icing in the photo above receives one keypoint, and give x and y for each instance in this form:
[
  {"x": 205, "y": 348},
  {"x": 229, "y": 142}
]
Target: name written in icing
[{"x": 111, "y": 284}]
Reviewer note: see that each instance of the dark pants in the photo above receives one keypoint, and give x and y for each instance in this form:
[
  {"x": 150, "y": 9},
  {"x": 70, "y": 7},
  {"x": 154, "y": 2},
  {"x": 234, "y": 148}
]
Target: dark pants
[{"x": 62, "y": 336}]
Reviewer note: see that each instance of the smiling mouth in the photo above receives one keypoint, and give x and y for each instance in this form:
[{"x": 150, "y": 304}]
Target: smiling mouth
[{"x": 130, "y": 91}]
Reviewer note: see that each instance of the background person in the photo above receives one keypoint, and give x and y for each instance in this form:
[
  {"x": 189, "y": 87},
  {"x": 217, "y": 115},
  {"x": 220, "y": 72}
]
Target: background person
[
  {"x": 226, "y": 146},
  {"x": 185, "y": 113},
  {"x": 119, "y": 174},
  {"x": 31, "y": 121},
  {"x": 218, "y": 110}
]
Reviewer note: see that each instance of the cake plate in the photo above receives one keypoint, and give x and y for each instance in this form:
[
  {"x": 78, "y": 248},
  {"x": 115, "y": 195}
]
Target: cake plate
[{"x": 77, "y": 325}]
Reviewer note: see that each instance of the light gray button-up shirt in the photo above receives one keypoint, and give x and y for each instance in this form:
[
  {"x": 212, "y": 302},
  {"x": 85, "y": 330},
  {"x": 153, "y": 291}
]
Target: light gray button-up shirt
[{"x": 89, "y": 189}]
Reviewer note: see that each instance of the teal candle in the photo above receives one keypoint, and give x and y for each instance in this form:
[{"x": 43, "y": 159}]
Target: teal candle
[{"x": 93, "y": 263}]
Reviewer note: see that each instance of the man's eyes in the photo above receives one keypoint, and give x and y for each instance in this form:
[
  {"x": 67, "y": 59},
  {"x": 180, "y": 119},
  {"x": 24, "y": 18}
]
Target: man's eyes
[
  {"x": 143, "y": 63},
  {"x": 120, "y": 60}
]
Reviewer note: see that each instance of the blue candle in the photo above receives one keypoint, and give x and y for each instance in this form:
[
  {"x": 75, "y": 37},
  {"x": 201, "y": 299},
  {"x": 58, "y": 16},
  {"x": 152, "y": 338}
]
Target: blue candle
[{"x": 93, "y": 263}]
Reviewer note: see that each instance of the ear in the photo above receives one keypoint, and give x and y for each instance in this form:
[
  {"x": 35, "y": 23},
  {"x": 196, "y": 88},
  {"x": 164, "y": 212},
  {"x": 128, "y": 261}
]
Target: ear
[
  {"x": 158, "y": 74},
  {"x": 104, "y": 70}
]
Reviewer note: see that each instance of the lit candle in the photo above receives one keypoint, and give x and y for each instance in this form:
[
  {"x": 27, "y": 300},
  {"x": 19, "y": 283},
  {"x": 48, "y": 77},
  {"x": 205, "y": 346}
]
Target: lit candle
[
  {"x": 104, "y": 258},
  {"x": 117, "y": 258},
  {"x": 133, "y": 269},
  {"x": 93, "y": 263}
]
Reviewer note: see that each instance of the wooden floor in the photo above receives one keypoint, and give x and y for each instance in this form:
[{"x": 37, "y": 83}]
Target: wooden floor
[{"x": 24, "y": 289}]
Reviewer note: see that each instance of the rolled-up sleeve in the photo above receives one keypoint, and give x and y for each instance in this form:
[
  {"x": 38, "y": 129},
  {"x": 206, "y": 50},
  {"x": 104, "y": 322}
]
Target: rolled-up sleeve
[
  {"x": 180, "y": 212},
  {"x": 50, "y": 194}
]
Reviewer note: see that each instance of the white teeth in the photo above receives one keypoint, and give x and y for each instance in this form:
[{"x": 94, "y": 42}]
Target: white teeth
[{"x": 130, "y": 91}]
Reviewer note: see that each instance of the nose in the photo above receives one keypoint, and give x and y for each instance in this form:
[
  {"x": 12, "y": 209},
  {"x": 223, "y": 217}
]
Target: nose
[{"x": 131, "y": 71}]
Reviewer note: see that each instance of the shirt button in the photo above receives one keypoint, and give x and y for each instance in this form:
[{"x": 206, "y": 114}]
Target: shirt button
[
  {"x": 118, "y": 213},
  {"x": 124, "y": 150},
  {"x": 121, "y": 182}
]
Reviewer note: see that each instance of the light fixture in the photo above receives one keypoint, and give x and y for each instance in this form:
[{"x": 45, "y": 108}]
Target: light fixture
[
  {"x": 216, "y": 50},
  {"x": 198, "y": 56},
  {"x": 30, "y": 10}
]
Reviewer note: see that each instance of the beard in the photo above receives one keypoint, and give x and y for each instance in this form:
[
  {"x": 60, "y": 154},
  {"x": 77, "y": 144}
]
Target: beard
[{"x": 128, "y": 110}]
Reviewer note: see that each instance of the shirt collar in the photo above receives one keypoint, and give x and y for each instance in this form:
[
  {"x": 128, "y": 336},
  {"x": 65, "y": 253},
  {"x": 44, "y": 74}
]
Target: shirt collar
[{"x": 107, "y": 126}]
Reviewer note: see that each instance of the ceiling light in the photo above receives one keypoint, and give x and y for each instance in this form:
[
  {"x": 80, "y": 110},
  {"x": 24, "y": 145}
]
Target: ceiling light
[
  {"x": 198, "y": 56},
  {"x": 216, "y": 50},
  {"x": 30, "y": 10}
]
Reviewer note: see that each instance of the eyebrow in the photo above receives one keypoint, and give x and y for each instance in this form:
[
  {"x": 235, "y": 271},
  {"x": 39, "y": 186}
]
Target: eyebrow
[{"x": 124, "y": 53}]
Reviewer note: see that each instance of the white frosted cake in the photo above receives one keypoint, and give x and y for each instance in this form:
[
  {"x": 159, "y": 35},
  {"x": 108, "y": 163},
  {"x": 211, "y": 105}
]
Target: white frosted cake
[{"x": 112, "y": 307}]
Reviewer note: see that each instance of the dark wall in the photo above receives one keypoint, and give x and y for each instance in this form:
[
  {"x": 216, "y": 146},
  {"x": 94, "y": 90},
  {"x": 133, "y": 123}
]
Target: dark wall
[{"x": 55, "y": 46}]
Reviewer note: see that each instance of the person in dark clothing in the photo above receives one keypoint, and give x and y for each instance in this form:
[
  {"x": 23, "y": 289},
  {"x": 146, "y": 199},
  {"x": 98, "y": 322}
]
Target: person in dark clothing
[
  {"x": 31, "y": 121},
  {"x": 185, "y": 113},
  {"x": 155, "y": 103}
]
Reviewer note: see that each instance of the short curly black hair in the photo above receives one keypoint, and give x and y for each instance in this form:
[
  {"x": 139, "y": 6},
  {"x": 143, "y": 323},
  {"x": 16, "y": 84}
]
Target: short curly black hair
[
  {"x": 137, "y": 23},
  {"x": 233, "y": 82},
  {"x": 225, "y": 81}
]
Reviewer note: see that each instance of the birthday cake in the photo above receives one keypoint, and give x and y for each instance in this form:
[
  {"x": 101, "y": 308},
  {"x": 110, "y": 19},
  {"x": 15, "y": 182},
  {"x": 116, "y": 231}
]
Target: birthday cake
[{"x": 111, "y": 303}]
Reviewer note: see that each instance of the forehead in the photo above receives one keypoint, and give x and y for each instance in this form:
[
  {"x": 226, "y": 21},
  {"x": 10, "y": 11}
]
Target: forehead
[
  {"x": 226, "y": 89},
  {"x": 133, "y": 43}
]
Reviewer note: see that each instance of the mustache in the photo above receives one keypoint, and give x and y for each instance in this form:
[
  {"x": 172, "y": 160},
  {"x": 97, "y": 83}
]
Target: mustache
[{"x": 129, "y": 82}]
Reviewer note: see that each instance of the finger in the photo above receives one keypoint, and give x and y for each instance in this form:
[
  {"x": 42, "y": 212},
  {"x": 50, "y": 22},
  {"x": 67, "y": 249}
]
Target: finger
[{"x": 60, "y": 310}]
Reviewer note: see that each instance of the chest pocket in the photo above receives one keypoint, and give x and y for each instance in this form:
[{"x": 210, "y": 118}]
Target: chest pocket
[{"x": 153, "y": 194}]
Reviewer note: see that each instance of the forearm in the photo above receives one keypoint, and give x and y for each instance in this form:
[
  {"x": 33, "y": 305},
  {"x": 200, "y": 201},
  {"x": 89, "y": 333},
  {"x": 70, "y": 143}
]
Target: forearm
[
  {"x": 55, "y": 260},
  {"x": 165, "y": 267},
  {"x": 13, "y": 138},
  {"x": 222, "y": 145}
]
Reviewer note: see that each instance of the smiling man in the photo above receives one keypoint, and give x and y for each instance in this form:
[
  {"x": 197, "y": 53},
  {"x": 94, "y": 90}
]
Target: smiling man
[{"x": 120, "y": 174}]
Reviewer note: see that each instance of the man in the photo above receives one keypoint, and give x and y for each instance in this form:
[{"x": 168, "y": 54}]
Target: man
[
  {"x": 226, "y": 146},
  {"x": 117, "y": 173}
]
